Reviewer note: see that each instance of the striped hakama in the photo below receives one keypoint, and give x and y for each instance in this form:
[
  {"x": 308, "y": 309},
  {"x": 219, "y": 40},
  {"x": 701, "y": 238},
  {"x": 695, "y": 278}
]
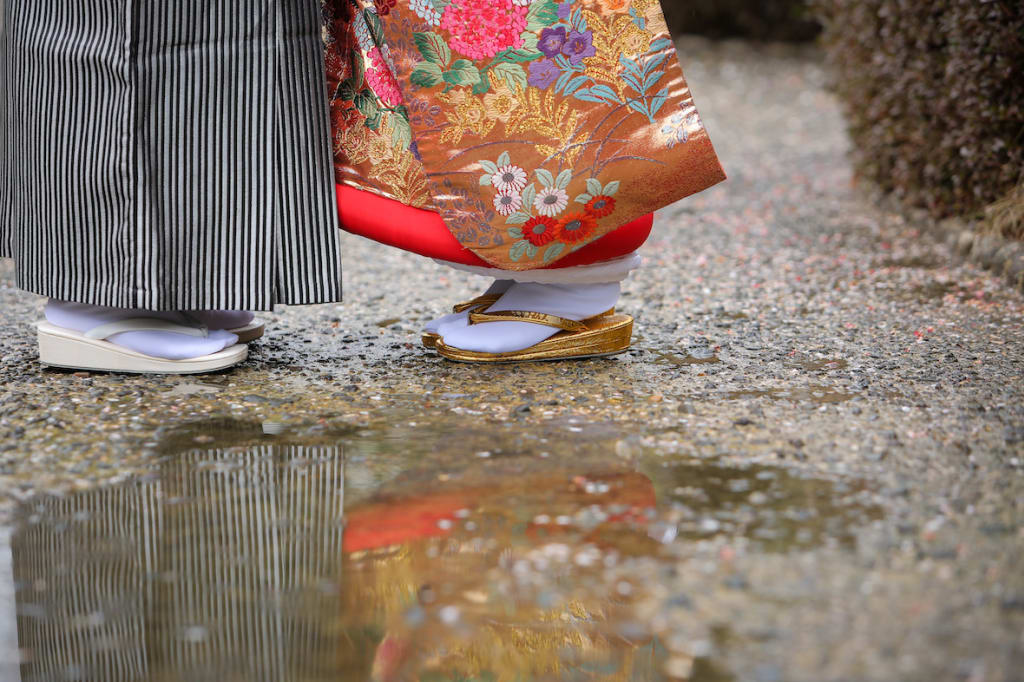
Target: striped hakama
[{"x": 167, "y": 154}]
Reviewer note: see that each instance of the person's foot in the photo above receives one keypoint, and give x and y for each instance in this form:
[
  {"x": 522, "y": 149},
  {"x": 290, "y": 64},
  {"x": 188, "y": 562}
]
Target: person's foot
[
  {"x": 166, "y": 345},
  {"x": 224, "y": 319},
  {"x": 570, "y": 301},
  {"x": 498, "y": 288}
]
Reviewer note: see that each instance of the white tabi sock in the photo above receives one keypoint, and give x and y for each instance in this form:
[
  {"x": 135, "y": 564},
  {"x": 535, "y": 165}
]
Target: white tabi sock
[
  {"x": 158, "y": 344},
  {"x": 572, "y": 301},
  {"x": 500, "y": 286}
]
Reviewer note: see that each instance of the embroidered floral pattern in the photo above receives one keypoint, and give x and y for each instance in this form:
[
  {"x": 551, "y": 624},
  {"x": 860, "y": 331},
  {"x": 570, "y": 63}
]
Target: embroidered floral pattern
[
  {"x": 382, "y": 80},
  {"x": 371, "y": 123},
  {"x": 481, "y": 29},
  {"x": 426, "y": 11},
  {"x": 541, "y": 211},
  {"x": 585, "y": 94}
]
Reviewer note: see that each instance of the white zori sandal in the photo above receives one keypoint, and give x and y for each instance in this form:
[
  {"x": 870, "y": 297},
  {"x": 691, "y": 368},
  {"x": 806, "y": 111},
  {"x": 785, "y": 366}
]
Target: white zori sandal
[
  {"x": 244, "y": 325},
  {"x": 90, "y": 350}
]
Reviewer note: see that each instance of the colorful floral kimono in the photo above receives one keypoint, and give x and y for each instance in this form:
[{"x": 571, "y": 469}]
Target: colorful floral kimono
[{"x": 531, "y": 128}]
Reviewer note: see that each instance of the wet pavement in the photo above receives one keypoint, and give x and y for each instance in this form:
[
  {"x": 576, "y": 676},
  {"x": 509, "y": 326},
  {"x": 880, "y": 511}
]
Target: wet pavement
[{"x": 810, "y": 466}]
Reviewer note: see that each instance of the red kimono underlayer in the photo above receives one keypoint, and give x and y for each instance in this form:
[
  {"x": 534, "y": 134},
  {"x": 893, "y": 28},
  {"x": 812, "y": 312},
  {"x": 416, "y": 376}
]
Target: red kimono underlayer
[{"x": 423, "y": 232}]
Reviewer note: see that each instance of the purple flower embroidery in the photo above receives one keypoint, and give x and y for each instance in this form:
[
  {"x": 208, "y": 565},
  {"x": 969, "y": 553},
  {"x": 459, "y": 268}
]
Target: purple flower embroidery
[
  {"x": 543, "y": 74},
  {"x": 564, "y": 10},
  {"x": 551, "y": 41},
  {"x": 578, "y": 46}
]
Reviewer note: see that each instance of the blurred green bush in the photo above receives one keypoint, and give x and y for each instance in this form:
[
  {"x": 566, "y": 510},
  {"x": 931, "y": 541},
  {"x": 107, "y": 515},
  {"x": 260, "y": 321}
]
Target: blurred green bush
[
  {"x": 770, "y": 20},
  {"x": 934, "y": 91}
]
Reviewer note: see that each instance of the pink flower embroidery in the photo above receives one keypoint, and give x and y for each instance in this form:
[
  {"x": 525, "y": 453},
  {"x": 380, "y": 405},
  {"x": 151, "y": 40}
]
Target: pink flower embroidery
[
  {"x": 481, "y": 29},
  {"x": 382, "y": 81}
]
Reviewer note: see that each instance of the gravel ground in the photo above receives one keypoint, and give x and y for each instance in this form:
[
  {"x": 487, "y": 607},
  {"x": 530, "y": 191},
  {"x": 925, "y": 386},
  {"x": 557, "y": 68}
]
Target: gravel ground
[{"x": 785, "y": 320}]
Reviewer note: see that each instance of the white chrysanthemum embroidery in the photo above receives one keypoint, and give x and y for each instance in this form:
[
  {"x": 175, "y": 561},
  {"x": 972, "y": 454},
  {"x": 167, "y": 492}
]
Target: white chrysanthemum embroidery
[
  {"x": 551, "y": 201},
  {"x": 522, "y": 3},
  {"x": 424, "y": 9},
  {"x": 363, "y": 36},
  {"x": 509, "y": 179},
  {"x": 508, "y": 203}
]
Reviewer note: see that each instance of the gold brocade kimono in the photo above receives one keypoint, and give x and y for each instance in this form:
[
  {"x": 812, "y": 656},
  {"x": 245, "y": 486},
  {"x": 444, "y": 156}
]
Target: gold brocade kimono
[{"x": 533, "y": 127}]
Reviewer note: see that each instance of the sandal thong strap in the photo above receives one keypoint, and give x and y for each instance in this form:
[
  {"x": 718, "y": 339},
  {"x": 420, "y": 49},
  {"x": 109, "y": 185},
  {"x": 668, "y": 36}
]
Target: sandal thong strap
[
  {"x": 144, "y": 324},
  {"x": 527, "y": 316},
  {"x": 484, "y": 299}
]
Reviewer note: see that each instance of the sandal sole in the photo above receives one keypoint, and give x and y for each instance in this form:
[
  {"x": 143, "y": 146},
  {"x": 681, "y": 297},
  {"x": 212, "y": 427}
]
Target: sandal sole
[
  {"x": 606, "y": 336},
  {"x": 250, "y": 332},
  {"x": 60, "y": 347}
]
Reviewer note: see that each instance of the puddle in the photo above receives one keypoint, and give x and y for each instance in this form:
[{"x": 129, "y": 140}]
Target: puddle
[
  {"x": 262, "y": 552},
  {"x": 700, "y": 357},
  {"x": 818, "y": 395},
  {"x": 816, "y": 365},
  {"x": 934, "y": 290},
  {"x": 914, "y": 262}
]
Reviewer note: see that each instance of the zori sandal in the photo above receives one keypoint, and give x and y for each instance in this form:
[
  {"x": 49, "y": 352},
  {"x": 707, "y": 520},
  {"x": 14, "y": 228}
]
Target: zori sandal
[
  {"x": 217, "y": 319},
  {"x": 599, "y": 336},
  {"x": 430, "y": 339},
  {"x": 62, "y": 347},
  {"x": 250, "y": 332}
]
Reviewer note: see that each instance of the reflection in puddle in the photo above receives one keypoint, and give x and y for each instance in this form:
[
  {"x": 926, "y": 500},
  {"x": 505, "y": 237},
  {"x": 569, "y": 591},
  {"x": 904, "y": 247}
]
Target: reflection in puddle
[
  {"x": 699, "y": 356},
  {"x": 398, "y": 554},
  {"x": 816, "y": 365},
  {"x": 819, "y": 395}
]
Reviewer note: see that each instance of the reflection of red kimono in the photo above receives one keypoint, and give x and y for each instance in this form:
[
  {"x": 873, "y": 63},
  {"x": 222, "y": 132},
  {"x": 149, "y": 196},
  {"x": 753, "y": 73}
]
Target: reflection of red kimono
[
  {"x": 409, "y": 519},
  {"x": 519, "y": 134}
]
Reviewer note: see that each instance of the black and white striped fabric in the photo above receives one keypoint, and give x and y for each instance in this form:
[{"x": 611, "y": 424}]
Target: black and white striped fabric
[{"x": 167, "y": 154}]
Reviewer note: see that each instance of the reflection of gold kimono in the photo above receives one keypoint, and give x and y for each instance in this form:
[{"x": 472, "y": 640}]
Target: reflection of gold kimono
[
  {"x": 448, "y": 550},
  {"x": 532, "y": 127}
]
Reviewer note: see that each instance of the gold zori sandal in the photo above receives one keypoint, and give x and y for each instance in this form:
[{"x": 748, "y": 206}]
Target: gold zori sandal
[
  {"x": 430, "y": 339},
  {"x": 605, "y": 334}
]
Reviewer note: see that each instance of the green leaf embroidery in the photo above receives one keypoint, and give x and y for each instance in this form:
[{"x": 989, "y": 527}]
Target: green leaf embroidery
[
  {"x": 517, "y": 218},
  {"x": 529, "y": 196},
  {"x": 426, "y": 75},
  {"x": 553, "y": 251},
  {"x": 528, "y": 53},
  {"x": 530, "y": 42},
  {"x": 489, "y": 166},
  {"x": 564, "y": 178},
  {"x": 531, "y": 250},
  {"x": 463, "y": 72},
  {"x": 433, "y": 48},
  {"x": 583, "y": 198},
  {"x": 439, "y": 5},
  {"x": 594, "y": 187},
  {"x": 366, "y": 103},
  {"x": 358, "y": 70},
  {"x": 515, "y": 232},
  {"x": 486, "y": 180},
  {"x": 483, "y": 87},
  {"x": 612, "y": 187},
  {"x": 505, "y": 159},
  {"x": 518, "y": 250},
  {"x": 346, "y": 91},
  {"x": 376, "y": 27},
  {"x": 401, "y": 132},
  {"x": 513, "y": 74},
  {"x": 545, "y": 177},
  {"x": 542, "y": 14}
]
